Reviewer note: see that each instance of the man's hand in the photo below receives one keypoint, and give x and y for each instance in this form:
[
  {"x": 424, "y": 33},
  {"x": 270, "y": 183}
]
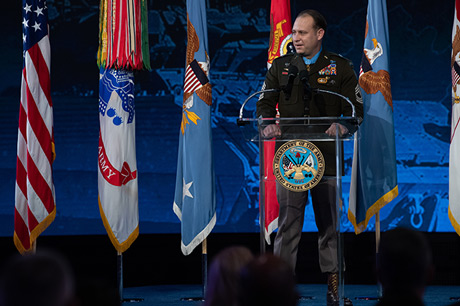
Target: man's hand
[
  {"x": 331, "y": 130},
  {"x": 271, "y": 131}
]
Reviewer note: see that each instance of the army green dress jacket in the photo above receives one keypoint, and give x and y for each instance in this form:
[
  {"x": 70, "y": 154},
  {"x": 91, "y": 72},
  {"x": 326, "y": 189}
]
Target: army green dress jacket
[{"x": 330, "y": 72}]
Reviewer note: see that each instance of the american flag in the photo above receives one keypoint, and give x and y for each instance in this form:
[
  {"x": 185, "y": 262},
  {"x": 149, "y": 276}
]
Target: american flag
[
  {"x": 455, "y": 74},
  {"x": 35, "y": 205},
  {"x": 195, "y": 78},
  {"x": 287, "y": 164}
]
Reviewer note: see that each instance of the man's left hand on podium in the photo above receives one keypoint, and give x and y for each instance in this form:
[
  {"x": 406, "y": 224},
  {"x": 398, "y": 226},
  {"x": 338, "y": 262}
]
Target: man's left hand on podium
[{"x": 332, "y": 129}]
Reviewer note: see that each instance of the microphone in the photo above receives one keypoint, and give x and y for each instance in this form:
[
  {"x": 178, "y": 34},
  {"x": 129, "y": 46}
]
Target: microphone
[
  {"x": 303, "y": 75},
  {"x": 292, "y": 73}
]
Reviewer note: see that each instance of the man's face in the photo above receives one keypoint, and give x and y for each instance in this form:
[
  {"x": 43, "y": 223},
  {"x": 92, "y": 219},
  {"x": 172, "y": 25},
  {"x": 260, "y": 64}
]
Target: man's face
[{"x": 307, "y": 40}]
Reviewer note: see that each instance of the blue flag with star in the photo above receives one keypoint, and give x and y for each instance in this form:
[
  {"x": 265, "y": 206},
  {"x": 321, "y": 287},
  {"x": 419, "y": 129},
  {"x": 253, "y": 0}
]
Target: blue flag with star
[
  {"x": 374, "y": 178},
  {"x": 195, "y": 196}
]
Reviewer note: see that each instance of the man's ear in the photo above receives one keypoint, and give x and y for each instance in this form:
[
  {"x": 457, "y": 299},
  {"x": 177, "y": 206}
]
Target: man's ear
[{"x": 320, "y": 33}]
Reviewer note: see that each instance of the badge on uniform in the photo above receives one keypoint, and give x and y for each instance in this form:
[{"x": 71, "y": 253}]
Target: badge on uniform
[
  {"x": 329, "y": 70},
  {"x": 322, "y": 80}
]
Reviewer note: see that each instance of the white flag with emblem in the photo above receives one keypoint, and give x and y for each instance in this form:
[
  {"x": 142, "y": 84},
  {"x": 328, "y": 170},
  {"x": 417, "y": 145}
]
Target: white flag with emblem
[{"x": 117, "y": 174}]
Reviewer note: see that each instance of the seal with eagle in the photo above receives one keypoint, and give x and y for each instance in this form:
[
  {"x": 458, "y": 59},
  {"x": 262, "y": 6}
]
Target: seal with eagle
[
  {"x": 196, "y": 78},
  {"x": 454, "y": 63},
  {"x": 372, "y": 82}
]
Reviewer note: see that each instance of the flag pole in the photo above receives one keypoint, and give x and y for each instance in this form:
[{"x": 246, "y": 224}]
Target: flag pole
[
  {"x": 120, "y": 281},
  {"x": 204, "y": 264},
  {"x": 204, "y": 271},
  {"x": 120, "y": 274},
  {"x": 377, "y": 246},
  {"x": 377, "y": 232},
  {"x": 34, "y": 246}
]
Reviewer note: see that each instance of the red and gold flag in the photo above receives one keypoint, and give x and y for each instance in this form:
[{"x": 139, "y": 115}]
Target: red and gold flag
[
  {"x": 280, "y": 30},
  {"x": 280, "y": 44}
]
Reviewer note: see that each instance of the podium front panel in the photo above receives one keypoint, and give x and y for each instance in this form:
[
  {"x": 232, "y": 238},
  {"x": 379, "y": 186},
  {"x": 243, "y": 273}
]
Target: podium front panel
[{"x": 293, "y": 159}]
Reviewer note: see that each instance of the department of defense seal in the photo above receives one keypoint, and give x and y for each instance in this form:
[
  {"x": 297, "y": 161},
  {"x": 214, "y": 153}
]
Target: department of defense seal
[{"x": 298, "y": 165}]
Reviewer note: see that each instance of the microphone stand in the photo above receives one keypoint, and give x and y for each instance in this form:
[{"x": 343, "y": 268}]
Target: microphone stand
[
  {"x": 353, "y": 112},
  {"x": 240, "y": 121}
]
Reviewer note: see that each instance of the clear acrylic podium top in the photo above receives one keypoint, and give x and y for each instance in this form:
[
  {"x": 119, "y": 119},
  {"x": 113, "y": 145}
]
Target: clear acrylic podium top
[{"x": 306, "y": 128}]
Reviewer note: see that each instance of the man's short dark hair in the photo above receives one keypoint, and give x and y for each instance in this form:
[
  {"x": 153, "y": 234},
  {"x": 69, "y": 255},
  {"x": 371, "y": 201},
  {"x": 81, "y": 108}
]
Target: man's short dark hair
[{"x": 320, "y": 21}]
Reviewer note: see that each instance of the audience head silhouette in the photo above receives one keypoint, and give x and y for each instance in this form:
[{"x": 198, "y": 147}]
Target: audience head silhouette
[
  {"x": 222, "y": 289},
  {"x": 41, "y": 279},
  {"x": 269, "y": 281}
]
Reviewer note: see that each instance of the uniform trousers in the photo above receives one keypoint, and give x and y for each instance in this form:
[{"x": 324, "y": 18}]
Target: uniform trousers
[{"x": 291, "y": 219}]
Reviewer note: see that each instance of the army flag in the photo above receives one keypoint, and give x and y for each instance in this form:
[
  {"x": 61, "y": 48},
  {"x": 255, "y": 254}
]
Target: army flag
[
  {"x": 280, "y": 44},
  {"x": 454, "y": 158},
  {"x": 374, "y": 177},
  {"x": 117, "y": 173},
  {"x": 35, "y": 206},
  {"x": 123, "y": 47},
  {"x": 195, "y": 196}
]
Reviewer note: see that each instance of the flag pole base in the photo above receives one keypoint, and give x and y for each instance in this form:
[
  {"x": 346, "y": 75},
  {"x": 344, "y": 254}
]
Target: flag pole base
[
  {"x": 192, "y": 299},
  {"x": 367, "y": 298},
  {"x": 120, "y": 281},
  {"x": 306, "y": 298},
  {"x": 204, "y": 272},
  {"x": 132, "y": 300}
]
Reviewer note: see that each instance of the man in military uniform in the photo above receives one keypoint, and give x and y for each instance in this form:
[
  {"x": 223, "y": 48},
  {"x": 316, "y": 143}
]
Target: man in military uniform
[{"x": 327, "y": 71}]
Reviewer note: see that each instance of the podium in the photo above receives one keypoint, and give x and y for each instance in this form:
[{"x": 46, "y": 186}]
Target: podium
[{"x": 298, "y": 161}]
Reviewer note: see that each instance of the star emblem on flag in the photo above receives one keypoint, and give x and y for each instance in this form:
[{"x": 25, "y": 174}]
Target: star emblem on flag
[{"x": 186, "y": 189}]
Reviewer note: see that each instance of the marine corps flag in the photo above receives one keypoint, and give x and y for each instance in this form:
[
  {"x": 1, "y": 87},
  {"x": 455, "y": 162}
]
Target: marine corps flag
[
  {"x": 280, "y": 44},
  {"x": 454, "y": 159},
  {"x": 123, "y": 47},
  {"x": 35, "y": 206},
  {"x": 280, "y": 30},
  {"x": 194, "y": 198},
  {"x": 373, "y": 179}
]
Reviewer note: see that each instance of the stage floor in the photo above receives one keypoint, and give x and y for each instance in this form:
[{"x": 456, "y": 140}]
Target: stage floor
[{"x": 173, "y": 295}]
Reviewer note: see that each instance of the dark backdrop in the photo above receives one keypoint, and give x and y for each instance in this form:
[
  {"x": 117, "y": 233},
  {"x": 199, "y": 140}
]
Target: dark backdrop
[{"x": 420, "y": 37}]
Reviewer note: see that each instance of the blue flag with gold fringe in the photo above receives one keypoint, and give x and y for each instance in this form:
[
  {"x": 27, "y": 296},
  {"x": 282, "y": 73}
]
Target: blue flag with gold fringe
[
  {"x": 195, "y": 196},
  {"x": 374, "y": 177}
]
